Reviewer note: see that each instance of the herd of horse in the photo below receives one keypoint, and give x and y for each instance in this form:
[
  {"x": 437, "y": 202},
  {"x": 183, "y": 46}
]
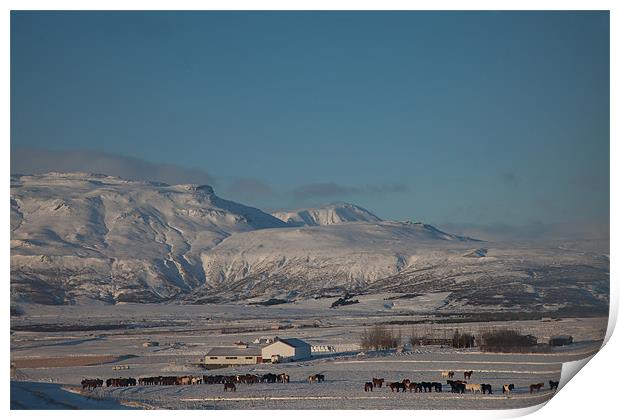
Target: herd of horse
[
  {"x": 95, "y": 383},
  {"x": 227, "y": 380},
  {"x": 456, "y": 386},
  {"x": 230, "y": 381}
]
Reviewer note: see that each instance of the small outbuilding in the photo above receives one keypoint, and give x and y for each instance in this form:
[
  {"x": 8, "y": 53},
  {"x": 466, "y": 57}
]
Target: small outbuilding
[
  {"x": 286, "y": 349},
  {"x": 561, "y": 340}
]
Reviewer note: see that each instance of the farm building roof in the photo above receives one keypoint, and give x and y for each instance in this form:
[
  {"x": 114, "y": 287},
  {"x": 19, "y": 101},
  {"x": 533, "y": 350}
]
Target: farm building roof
[
  {"x": 293, "y": 342},
  {"x": 234, "y": 351}
]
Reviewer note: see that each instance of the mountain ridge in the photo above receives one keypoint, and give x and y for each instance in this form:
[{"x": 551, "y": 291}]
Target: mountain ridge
[{"x": 78, "y": 238}]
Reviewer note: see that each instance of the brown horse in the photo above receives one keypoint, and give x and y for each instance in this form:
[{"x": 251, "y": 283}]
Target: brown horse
[
  {"x": 467, "y": 374},
  {"x": 536, "y": 387},
  {"x": 507, "y": 388},
  {"x": 184, "y": 380},
  {"x": 252, "y": 379},
  {"x": 316, "y": 378},
  {"x": 378, "y": 382},
  {"x": 368, "y": 386},
  {"x": 229, "y": 386},
  {"x": 412, "y": 387}
]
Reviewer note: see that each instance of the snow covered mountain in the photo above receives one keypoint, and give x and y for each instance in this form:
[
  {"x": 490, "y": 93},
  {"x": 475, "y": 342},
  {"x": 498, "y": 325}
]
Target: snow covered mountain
[
  {"x": 327, "y": 215},
  {"x": 405, "y": 258},
  {"x": 307, "y": 260},
  {"x": 78, "y": 238},
  {"x": 111, "y": 239}
]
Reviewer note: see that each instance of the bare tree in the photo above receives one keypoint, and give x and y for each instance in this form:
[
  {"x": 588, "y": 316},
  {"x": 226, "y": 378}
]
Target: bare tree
[
  {"x": 416, "y": 337},
  {"x": 379, "y": 338},
  {"x": 462, "y": 340},
  {"x": 506, "y": 340}
]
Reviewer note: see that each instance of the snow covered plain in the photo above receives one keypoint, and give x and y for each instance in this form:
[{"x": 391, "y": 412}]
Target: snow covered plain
[
  {"x": 344, "y": 386},
  {"x": 43, "y": 396},
  {"x": 186, "y": 332}
]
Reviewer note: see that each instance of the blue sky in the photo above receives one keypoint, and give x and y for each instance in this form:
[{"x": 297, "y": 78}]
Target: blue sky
[{"x": 445, "y": 117}]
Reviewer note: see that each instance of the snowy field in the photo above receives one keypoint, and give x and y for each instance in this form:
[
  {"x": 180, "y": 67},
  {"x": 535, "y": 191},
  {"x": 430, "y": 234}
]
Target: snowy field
[
  {"x": 343, "y": 387},
  {"x": 42, "y": 396},
  {"x": 60, "y": 346}
]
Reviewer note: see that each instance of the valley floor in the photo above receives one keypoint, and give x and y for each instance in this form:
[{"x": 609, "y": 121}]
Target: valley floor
[{"x": 54, "y": 348}]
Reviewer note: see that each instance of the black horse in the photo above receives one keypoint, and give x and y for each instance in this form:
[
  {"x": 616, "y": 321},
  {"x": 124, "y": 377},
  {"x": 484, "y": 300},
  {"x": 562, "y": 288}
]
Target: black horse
[
  {"x": 536, "y": 387},
  {"x": 270, "y": 378},
  {"x": 397, "y": 386},
  {"x": 457, "y": 387},
  {"x": 427, "y": 386},
  {"x": 486, "y": 388}
]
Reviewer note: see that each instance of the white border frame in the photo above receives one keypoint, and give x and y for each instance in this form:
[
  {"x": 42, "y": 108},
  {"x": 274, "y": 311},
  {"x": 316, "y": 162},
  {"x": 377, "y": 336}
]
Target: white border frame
[{"x": 576, "y": 400}]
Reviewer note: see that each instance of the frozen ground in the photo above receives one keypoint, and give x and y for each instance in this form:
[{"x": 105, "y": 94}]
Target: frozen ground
[
  {"x": 343, "y": 387},
  {"x": 42, "y": 396},
  {"x": 309, "y": 319},
  {"x": 64, "y": 344}
]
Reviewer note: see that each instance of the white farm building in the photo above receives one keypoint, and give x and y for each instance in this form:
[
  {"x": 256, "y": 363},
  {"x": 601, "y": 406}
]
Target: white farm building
[
  {"x": 240, "y": 354},
  {"x": 286, "y": 349}
]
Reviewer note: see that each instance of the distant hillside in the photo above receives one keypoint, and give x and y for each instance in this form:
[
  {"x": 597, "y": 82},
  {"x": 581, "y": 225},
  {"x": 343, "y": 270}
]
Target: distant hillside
[{"x": 77, "y": 238}]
